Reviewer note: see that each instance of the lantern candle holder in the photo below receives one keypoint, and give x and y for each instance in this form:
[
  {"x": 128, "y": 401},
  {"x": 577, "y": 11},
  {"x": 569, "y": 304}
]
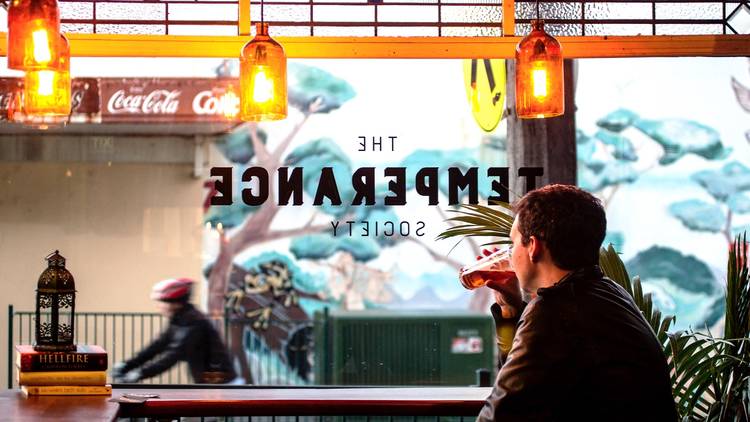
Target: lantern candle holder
[{"x": 55, "y": 307}]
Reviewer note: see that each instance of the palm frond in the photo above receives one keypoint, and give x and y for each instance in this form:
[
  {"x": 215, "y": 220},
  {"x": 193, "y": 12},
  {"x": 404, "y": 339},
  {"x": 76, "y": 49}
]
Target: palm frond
[
  {"x": 710, "y": 375},
  {"x": 614, "y": 268},
  {"x": 480, "y": 221},
  {"x": 691, "y": 378},
  {"x": 737, "y": 323}
]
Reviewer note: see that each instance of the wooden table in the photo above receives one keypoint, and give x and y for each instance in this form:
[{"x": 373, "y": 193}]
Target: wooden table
[
  {"x": 249, "y": 401},
  {"x": 419, "y": 401},
  {"x": 15, "y": 407}
]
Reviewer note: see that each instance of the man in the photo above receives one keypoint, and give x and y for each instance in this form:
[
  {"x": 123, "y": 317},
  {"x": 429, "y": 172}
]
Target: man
[
  {"x": 190, "y": 337},
  {"x": 581, "y": 350}
]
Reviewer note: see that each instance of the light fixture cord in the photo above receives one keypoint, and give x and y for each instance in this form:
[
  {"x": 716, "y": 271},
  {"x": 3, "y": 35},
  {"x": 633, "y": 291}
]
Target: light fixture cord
[
  {"x": 261, "y": 12},
  {"x": 537, "y": 9}
]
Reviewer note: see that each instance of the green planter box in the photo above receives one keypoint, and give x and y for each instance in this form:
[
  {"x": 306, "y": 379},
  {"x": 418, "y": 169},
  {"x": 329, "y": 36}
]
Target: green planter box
[{"x": 402, "y": 347}]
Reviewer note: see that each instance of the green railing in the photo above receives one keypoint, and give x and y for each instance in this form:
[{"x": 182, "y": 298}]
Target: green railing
[{"x": 123, "y": 334}]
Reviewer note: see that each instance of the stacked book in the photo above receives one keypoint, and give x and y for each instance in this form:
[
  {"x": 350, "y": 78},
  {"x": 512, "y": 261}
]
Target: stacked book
[{"x": 79, "y": 372}]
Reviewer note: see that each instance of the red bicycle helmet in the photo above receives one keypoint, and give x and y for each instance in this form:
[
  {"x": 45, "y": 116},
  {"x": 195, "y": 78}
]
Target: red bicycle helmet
[{"x": 172, "y": 290}]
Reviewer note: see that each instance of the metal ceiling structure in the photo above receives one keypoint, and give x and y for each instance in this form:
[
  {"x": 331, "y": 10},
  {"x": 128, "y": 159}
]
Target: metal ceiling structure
[
  {"x": 389, "y": 29},
  {"x": 404, "y": 28},
  {"x": 372, "y": 18}
]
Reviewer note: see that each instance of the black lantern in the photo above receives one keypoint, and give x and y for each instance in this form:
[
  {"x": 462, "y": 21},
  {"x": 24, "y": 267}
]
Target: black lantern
[{"x": 55, "y": 307}]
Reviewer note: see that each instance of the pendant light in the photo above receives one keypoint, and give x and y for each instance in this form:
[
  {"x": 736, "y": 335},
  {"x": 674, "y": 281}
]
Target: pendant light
[
  {"x": 47, "y": 92},
  {"x": 262, "y": 77},
  {"x": 33, "y": 28},
  {"x": 540, "y": 88}
]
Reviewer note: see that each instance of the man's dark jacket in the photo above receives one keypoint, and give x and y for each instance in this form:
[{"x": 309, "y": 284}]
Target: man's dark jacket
[
  {"x": 582, "y": 351},
  {"x": 190, "y": 337}
]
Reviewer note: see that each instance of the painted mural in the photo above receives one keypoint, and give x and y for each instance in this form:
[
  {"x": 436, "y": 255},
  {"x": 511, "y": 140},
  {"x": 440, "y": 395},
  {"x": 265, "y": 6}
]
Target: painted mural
[
  {"x": 669, "y": 155},
  {"x": 274, "y": 265},
  {"x": 672, "y": 169}
]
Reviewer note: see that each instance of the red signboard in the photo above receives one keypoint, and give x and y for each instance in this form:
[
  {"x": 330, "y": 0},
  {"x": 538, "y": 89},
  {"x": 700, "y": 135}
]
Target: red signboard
[
  {"x": 10, "y": 97},
  {"x": 166, "y": 100},
  {"x": 138, "y": 99}
]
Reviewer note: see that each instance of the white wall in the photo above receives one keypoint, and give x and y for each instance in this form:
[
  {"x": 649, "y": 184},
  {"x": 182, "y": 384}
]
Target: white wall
[{"x": 121, "y": 228}]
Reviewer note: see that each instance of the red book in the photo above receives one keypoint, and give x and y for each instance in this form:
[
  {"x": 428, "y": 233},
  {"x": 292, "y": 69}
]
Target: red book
[{"x": 84, "y": 358}]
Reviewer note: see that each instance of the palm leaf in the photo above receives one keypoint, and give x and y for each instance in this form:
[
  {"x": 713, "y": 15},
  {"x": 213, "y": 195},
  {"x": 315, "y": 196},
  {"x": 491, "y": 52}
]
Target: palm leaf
[
  {"x": 689, "y": 359},
  {"x": 480, "y": 221},
  {"x": 737, "y": 323},
  {"x": 710, "y": 377},
  {"x": 613, "y": 267}
]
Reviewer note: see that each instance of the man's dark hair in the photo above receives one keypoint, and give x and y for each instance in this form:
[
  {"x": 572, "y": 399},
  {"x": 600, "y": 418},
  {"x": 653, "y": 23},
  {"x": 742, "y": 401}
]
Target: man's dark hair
[{"x": 571, "y": 222}]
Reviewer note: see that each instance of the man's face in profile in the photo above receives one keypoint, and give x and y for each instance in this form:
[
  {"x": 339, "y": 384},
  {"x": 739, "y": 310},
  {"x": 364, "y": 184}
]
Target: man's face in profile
[{"x": 167, "y": 309}]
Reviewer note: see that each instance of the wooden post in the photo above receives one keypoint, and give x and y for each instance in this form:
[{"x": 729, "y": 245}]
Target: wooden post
[
  {"x": 243, "y": 17},
  {"x": 548, "y": 143}
]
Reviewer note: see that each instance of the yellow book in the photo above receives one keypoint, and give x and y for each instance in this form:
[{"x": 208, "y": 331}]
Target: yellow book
[
  {"x": 73, "y": 378},
  {"x": 66, "y": 390}
]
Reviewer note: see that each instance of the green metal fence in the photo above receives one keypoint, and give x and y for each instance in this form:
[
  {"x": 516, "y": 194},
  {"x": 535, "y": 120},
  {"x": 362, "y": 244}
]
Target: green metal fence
[{"x": 123, "y": 334}]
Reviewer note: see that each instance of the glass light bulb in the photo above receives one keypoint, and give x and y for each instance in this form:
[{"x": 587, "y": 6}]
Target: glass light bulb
[
  {"x": 46, "y": 96},
  {"x": 230, "y": 104},
  {"x": 42, "y": 53},
  {"x": 46, "y": 85},
  {"x": 262, "y": 86},
  {"x": 539, "y": 82}
]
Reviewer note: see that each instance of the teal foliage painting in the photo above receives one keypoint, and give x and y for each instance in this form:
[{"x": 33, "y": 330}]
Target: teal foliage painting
[{"x": 645, "y": 155}]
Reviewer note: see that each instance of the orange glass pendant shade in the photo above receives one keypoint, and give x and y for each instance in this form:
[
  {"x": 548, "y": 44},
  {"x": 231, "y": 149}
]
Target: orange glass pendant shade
[
  {"x": 33, "y": 28},
  {"x": 540, "y": 90},
  {"x": 262, "y": 78},
  {"x": 47, "y": 92}
]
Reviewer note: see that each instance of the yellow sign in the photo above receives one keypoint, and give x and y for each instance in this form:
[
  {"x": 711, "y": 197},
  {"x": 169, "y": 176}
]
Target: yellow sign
[{"x": 484, "y": 80}]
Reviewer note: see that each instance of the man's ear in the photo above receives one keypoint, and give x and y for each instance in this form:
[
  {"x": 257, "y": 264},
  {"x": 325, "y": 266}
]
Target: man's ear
[{"x": 535, "y": 249}]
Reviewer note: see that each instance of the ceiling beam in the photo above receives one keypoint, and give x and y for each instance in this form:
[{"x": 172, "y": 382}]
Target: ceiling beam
[{"x": 116, "y": 45}]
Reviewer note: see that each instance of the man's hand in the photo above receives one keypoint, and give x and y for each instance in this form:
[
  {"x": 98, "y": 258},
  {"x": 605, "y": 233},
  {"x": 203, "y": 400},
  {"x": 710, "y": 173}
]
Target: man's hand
[
  {"x": 118, "y": 370},
  {"x": 119, "y": 374},
  {"x": 507, "y": 292},
  {"x": 132, "y": 376}
]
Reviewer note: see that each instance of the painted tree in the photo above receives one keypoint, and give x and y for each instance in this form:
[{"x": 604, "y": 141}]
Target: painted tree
[
  {"x": 256, "y": 293},
  {"x": 313, "y": 92},
  {"x": 699, "y": 298},
  {"x": 730, "y": 189},
  {"x": 266, "y": 295},
  {"x": 609, "y": 159},
  {"x": 321, "y": 246}
]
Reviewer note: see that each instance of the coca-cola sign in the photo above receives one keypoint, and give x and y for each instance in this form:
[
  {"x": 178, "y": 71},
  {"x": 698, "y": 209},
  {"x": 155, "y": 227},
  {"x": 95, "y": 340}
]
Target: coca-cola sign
[
  {"x": 138, "y": 99},
  {"x": 159, "y": 101},
  {"x": 217, "y": 103},
  {"x": 173, "y": 99}
]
